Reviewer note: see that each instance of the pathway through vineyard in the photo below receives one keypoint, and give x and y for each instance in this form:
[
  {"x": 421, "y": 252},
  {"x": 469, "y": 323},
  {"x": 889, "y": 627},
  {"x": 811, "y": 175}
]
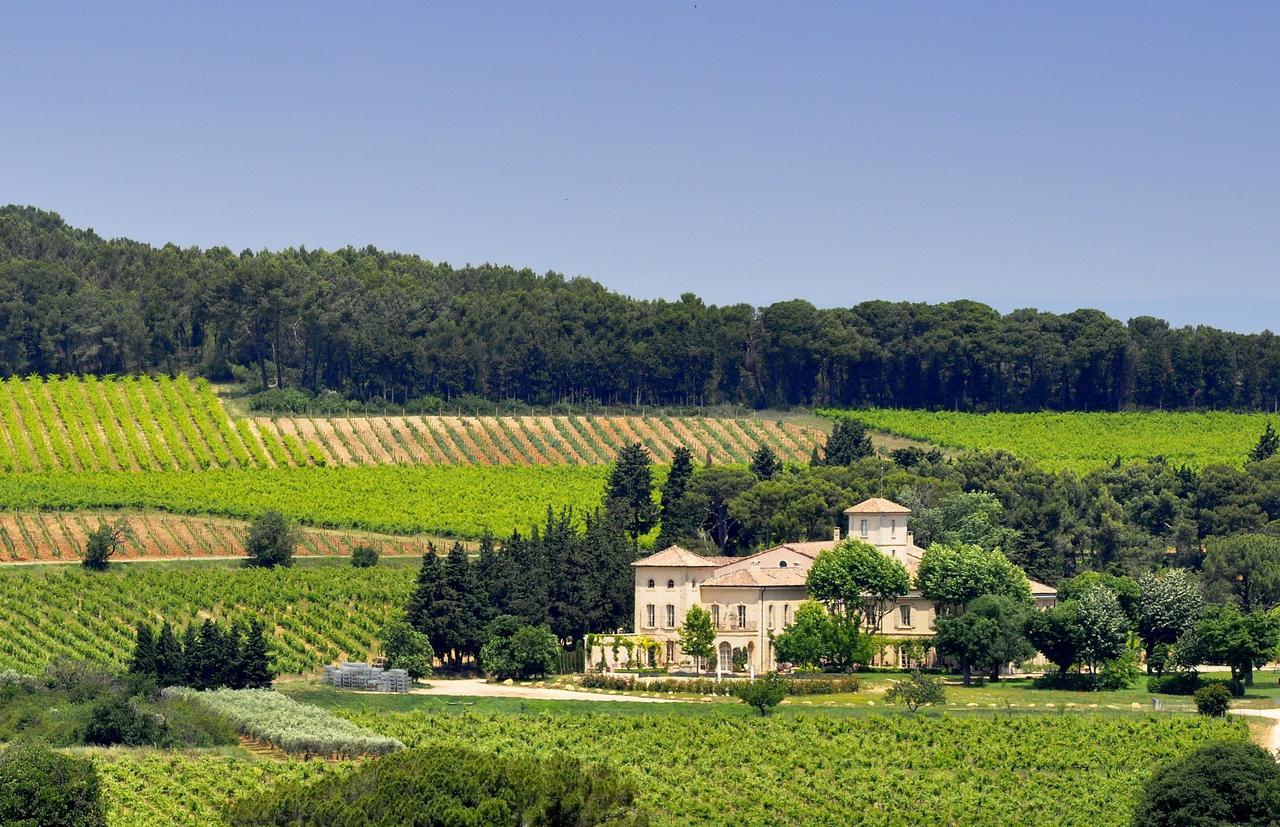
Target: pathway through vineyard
[{"x": 1271, "y": 738}]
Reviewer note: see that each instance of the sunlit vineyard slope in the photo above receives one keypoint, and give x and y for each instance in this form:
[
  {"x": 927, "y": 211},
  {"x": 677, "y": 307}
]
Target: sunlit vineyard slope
[
  {"x": 1082, "y": 441},
  {"x": 320, "y": 614}
]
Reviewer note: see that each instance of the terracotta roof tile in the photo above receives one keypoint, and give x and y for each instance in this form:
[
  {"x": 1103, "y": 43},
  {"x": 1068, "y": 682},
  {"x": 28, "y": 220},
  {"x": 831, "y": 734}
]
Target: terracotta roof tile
[{"x": 877, "y": 505}]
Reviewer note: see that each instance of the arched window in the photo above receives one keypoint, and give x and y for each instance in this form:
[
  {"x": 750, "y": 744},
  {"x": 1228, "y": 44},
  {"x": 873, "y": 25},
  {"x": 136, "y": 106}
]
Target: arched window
[
  {"x": 786, "y": 615},
  {"x": 770, "y": 615},
  {"x": 651, "y": 582},
  {"x": 782, "y": 564},
  {"x": 671, "y": 584}
]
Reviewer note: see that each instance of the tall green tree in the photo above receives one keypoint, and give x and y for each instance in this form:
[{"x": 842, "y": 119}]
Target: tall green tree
[
  {"x": 765, "y": 463},
  {"x": 143, "y": 661},
  {"x": 271, "y": 540},
  {"x": 629, "y": 490},
  {"x": 1247, "y": 568},
  {"x": 1224, "y": 636},
  {"x": 1266, "y": 446},
  {"x": 848, "y": 443},
  {"x": 952, "y": 576},
  {"x": 256, "y": 671},
  {"x": 858, "y": 580},
  {"x": 1103, "y": 627},
  {"x": 1168, "y": 604},
  {"x": 697, "y": 635},
  {"x": 680, "y": 517}
]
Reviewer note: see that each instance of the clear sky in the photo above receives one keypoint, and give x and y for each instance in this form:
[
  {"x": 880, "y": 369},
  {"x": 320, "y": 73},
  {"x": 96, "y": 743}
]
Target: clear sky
[{"x": 1119, "y": 156}]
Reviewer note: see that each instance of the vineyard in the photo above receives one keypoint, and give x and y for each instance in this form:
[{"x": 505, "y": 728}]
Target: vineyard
[
  {"x": 1078, "y": 441},
  {"x": 149, "y": 788},
  {"x": 163, "y": 424},
  {"x": 397, "y": 499},
  {"x": 62, "y": 535},
  {"x": 319, "y": 614},
  {"x": 538, "y": 440},
  {"x": 874, "y": 769}
]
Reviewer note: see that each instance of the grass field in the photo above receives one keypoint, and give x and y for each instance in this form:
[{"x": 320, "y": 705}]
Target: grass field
[{"x": 1082, "y": 442}]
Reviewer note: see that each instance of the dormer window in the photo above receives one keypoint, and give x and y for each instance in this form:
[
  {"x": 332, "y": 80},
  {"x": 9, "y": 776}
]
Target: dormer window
[{"x": 671, "y": 584}]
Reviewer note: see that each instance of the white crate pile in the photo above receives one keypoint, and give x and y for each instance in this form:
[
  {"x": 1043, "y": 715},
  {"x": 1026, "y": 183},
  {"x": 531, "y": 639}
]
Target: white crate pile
[{"x": 370, "y": 678}]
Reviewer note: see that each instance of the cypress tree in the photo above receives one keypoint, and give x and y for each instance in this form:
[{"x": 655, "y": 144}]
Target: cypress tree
[
  {"x": 425, "y": 592},
  {"x": 190, "y": 656},
  {"x": 765, "y": 463},
  {"x": 1267, "y": 445},
  {"x": 255, "y": 671},
  {"x": 143, "y": 661},
  {"x": 630, "y": 490},
  {"x": 458, "y": 610},
  {"x": 848, "y": 443},
  {"x": 208, "y": 660},
  {"x": 679, "y": 517},
  {"x": 170, "y": 665}
]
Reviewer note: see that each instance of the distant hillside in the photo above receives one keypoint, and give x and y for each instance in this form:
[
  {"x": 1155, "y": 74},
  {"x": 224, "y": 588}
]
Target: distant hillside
[{"x": 369, "y": 323}]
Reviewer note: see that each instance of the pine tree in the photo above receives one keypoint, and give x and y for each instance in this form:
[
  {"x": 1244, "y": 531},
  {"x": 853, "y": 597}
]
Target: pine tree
[
  {"x": 765, "y": 463},
  {"x": 209, "y": 653},
  {"x": 170, "y": 665},
  {"x": 848, "y": 443},
  {"x": 143, "y": 661},
  {"x": 458, "y": 610},
  {"x": 1267, "y": 445},
  {"x": 679, "y": 517},
  {"x": 255, "y": 660},
  {"x": 630, "y": 490}
]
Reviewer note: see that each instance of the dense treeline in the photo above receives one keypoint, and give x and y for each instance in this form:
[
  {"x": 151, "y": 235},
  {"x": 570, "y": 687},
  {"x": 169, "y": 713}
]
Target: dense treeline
[{"x": 369, "y": 323}]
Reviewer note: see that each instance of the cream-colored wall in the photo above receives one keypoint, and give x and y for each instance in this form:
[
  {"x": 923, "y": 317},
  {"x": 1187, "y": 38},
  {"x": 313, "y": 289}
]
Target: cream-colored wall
[
  {"x": 682, "y": 596},
  {"x": 888, "y": 532},
  {"x": 771, "y": 559}
]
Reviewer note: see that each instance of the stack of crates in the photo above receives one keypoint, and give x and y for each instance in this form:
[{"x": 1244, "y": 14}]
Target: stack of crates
[{"x": 358, "y": 675}]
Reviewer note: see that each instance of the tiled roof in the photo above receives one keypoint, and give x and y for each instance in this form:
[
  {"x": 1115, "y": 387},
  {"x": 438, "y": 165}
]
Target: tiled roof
[
  {"x": 758, "y": 576},
  {"x": 1041, "y": 590},
  {"x": 877, "y": 505},
  {"x": 677, "y": 556}
]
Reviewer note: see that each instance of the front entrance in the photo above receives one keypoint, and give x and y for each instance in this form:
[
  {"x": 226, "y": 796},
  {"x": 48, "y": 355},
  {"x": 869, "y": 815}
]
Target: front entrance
[{"x": 725, "y": 663}]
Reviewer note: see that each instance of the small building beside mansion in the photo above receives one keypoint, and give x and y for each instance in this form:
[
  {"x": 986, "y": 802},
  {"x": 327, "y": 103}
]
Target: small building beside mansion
[{"x": 750, "y": 597}]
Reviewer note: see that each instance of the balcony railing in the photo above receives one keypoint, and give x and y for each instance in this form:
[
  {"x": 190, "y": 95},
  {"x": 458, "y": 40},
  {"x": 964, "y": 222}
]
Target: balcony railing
[{"x": 732, "y": 625}]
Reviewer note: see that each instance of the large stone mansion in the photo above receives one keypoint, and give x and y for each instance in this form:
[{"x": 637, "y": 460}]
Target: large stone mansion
[{"x": 749, "y": 597}]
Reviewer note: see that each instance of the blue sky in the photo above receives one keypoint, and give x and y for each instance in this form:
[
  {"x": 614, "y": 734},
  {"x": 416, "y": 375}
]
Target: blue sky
[{"x": 1120, "y": 156}]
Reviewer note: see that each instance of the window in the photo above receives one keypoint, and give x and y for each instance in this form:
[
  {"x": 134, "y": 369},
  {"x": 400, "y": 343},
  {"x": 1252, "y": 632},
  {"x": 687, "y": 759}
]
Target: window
[
  {"x": 671, "y": 651},
  {"x": 782, "y": 564},
  {"x": 650, "y": 616},
  {"x": 651, "y": 582},
  {"x": 786, "y": 615},
  {"x": 715, "y": 615},
  {"x": 742, "y": 617},
  {"x": 671, "y": 616},
  {"x": 893, "y": 527},
  {"x": 905, "y": 611},
  {"x": 862, "y": 527},
  {"x": 770, "y": 615},
  {"x": 671, "y": 584}
]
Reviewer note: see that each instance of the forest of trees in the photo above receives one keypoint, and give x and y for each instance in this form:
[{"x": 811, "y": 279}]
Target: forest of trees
[{"x": 367, "y": 323}]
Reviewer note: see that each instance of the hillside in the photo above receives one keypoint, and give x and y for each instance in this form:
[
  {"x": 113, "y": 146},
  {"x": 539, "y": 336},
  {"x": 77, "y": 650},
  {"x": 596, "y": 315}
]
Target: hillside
[
  {"x": 372, "y": 323},
  {"x": 1082, "y": 442}
]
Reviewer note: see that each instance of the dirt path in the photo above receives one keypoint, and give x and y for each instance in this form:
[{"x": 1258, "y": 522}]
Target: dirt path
[
  {"x": 1273, "y": 734},
  {"x": 479, "y": 688}
]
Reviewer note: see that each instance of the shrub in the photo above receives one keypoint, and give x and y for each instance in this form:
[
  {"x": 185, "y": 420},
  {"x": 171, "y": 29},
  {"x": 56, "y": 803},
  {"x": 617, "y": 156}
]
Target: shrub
[
  {"x": 1107, "y": 681},
  {"x": 763, "y": 693},
  {"x": 281, "y": 400},
  {"x": 40, "y": 787},
  {"x": 116, "y": 720},
  {"x": 1213, "y": 700},
  {"x": 272, "y": 538},
  {"x": 81, "y": 681},
  {"x": 527, "y": 652},
  {"x": 1186, "y": 683},
  {"x": 408, "y": 649},
  {"x": 1225, "y": 783},
  {"x": 104, "y": 542},
  {"x": 916, "y": 691},
  {"x": 710, "y": 686},
  {"x": 364, "y": 557},
  {"x": 451, "y": 785}
]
